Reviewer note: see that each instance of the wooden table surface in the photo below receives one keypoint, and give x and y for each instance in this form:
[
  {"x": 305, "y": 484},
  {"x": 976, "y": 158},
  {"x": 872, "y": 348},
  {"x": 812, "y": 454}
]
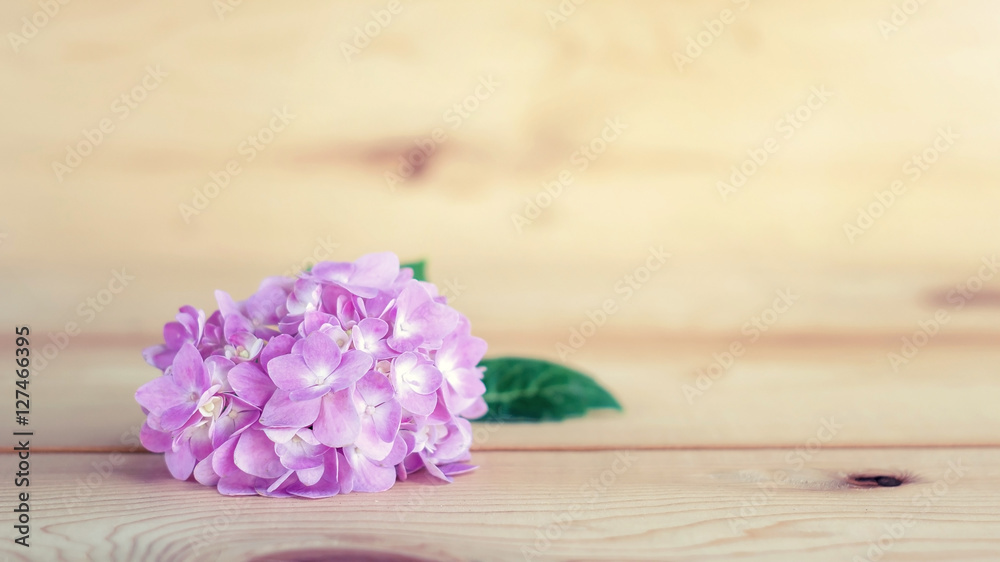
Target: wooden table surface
[{"x": 868, "y": 221}]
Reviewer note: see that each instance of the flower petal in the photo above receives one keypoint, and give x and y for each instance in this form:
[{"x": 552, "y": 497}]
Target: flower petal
[
  {"x": 375, "y": 270},
  {"x": 227, "y": 306},
  {"x": 373, "y": 328},
  {"x": 434, "y": 471},
  {"x": 203, "y": 472},
  {"x": 320, "y": 353},
  {"x": 462, "y": 351},
  {"x": 329, "y": 483},
  {"x": 275, "y": 347},
  {"x": 345, "y": 474},
  {"x": 423, "y": 379},
  {"x": 159, "y": 356},
  {"x": 310, "y": 476},
  {"x": 453, "y": 469},
  {"x": 235, "y": 419},
  {"x": 189, "y": 370},
  {"x": 338, "y": 423},
  {"x": 398, "y": 453},
  {"x": 180, "y": 463},
  {"x": 352, "y": 366},
  {"x": 309, "y": 393},
  {"x": 254, "y": 454},
  {"x": 175, "y": 334},
  {"x": 161, "y": 394},
  {"x": 238, "y": 484},
  {"x": 290, "y": 372},
  {"x": 466, "y": 383},
  {"x": 369, "y": 442},
  {"x": 234, "y": 324},
  {"x": 368, "y": 476},
  {"x": 419, "y": 404},
  {"x": 476, "y": 410},
  {"x": 251, "y": 384},
  {"x": 263, "y": 305},
  {"x": 387, "y": 418},
  {"x": 374, "y": 388},
  {"x": 222, "y": 458},
  {"x": 153, "y": 440},
  {"x": 218, "y": 372},
  {"x": 178, "y": 416},
  {"x": 280, "y": 411}
]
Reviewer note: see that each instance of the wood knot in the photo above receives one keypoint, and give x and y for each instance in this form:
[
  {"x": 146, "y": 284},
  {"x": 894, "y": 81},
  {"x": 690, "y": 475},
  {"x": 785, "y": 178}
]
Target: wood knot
[{"x": 878, "y": 480}]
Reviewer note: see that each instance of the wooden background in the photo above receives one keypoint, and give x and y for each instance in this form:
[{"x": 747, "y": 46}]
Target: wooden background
[{"x": 319, "y": 189}]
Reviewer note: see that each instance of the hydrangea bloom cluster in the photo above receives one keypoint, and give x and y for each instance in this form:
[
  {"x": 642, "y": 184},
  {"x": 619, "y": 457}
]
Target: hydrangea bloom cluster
[{"x": 346, "y": 378}]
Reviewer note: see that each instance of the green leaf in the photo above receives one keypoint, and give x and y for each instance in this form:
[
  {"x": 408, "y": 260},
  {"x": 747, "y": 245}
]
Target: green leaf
[
  {"x": 520, "y": 389},
  {"x": 418, "y": 269}
]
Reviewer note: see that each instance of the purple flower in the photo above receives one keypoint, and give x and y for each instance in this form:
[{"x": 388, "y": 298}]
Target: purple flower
[
  {"x": 420, "y": 320},
  {"x": 368, "y": 335},
  {"x": 319, "y": 368},
  {"x": 373, "y": 474},
  {"x": 263, "y": 309},
  {"x": 346, "y": 379},
  {"x": 189, "y": 328},
  {"x": 218, "y": 372},
  {"x": 441, "y": 448},
  {"x": 243, "y": 345},
  {"x": 364, "y": 277},
  {"x": 463, "y": 380},
  {"x": 380, "y": 415},
  {"x": 237, "y": 416},
  {"x": 176, "y": 396},
  {"x": 416, "y": 381}
]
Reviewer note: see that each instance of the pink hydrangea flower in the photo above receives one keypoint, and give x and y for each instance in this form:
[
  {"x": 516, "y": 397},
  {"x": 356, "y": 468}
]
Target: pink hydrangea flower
[{"x": 348, "y": 377}]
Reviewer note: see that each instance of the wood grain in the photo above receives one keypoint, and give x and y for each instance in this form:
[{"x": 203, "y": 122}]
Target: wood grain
[
  {"x": 777, "y": 394},
  {"x": 319, "y": 191},
  {"x": 660, "y": 505},
  {"x": 656, "y": 186}
]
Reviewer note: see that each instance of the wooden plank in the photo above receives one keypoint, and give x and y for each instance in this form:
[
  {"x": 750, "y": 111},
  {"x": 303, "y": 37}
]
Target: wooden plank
[
  {"x": 817, "y": 385},
  {"x": 652, "y": 505},
  {"x": 655, "y": 186},
  {"x": 777, "y": 394},
  {"x": 691, "y": 296}
]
